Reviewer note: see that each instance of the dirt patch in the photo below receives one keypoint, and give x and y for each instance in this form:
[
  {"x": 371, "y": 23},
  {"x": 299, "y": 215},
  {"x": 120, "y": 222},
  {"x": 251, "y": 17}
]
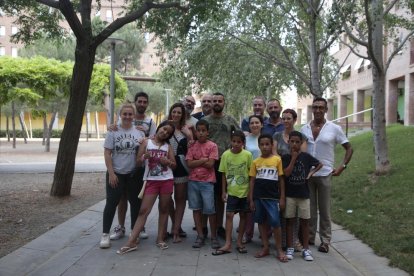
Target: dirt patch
[{"x": 27, "y": 210}]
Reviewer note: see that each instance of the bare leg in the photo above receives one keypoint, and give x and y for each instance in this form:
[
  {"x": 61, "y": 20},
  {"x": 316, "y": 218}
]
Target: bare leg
[
  {"x": 180, "y": 202},
  {"x": 242, "y": 227},
  {"x": 304, "y": 224},
  {"x": 213, "y": 225},
  {"x": 265, "y": 241},
  {"x": 198, "y": 222},
  {"x": 164, "y": 203},
  {"x": 229, "y": 229},
  {"x": 289, "y": 231},
  {"x": 277, "y": 232}
]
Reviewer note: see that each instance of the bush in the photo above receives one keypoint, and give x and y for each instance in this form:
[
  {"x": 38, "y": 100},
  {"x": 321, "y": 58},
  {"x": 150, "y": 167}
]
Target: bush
[{"x": 37, "y": 133}]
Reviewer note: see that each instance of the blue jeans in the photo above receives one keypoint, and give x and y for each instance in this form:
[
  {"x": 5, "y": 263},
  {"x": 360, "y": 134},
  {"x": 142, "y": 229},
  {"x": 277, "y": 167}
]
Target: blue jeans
[{"x": 201, "y": 196}]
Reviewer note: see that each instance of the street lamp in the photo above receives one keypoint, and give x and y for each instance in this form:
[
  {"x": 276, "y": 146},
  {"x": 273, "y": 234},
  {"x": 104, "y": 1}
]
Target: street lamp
[
  {"x": 113, "y": 41},
  {"x": 167, "y": 102}
]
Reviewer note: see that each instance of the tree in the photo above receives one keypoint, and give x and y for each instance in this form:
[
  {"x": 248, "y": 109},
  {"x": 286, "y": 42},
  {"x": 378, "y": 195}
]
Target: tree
[
  {"x": 270, "y": 44},
  {"x": 374, "y": 25},
  {"x": 38, "y": 17}
]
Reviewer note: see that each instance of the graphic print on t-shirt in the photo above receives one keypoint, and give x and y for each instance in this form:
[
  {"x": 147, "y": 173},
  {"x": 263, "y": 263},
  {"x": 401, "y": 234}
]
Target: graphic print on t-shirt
[
  {"x": 298, "y": 176},
  {"x": 269, "y": 173},
  {"x": 154, "y": 165},
  {"x": 126, "y": 144}
]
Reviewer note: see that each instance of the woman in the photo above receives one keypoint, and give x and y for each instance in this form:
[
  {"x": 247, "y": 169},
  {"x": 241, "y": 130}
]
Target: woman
[
  {"x": 281, "y": 147},
  {"x": 281, "y": 139},
  {"x": 182, "y": 135},
  {"x": 252, "y": 145},
  {"x": 121, "y": 148}
]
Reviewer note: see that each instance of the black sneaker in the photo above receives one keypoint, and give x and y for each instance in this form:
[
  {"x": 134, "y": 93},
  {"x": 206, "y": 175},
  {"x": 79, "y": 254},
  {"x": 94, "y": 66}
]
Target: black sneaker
[{"x": 221, "y": 232}]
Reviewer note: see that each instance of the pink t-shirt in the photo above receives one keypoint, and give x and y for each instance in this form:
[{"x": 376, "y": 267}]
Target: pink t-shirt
[{"x": 202, "y": 150}]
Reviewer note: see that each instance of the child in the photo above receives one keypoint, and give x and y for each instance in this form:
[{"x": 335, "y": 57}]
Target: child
[
  {"x": 159, "y": 161},
  {"x": 235, "y": 164},
  {"x": 267, "y": 193},
  {"x": 200, "y": 159},
  {"x": 298, "y": 169}
]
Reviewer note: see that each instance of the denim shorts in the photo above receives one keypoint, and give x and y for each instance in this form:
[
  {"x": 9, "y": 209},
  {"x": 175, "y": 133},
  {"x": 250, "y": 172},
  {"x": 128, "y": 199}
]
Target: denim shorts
[
  {"x": 201, "y": 196},
  {"x": 236, "y": 204},
  {"x": 267, "y": 209}
]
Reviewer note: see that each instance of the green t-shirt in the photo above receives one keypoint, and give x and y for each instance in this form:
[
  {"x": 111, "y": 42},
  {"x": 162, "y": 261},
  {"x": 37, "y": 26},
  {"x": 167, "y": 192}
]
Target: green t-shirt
[
  {"x": 220, "y": 129},
  {"x": 236, "y": 167}
]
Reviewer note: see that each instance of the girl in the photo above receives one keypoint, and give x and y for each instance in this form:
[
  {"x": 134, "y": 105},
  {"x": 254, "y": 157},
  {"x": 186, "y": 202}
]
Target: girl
[
  {"x": 182, "y": 135},
  {"x": 235, "y": 165},
  {"x": 159, "y": 163},
  {"x": 120, "y": 154}
]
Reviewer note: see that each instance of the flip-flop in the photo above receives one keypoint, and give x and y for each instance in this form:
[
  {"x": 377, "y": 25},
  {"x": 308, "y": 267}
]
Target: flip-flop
[
  {"x": 261, "y": 254},
  {"x": 283, "y": 258},
  {"x": 125, "y": 249},
  {"x": 241, "y": 250},
  {"x": 162, "y": 245},
  {"x": 219, "y": 252}
]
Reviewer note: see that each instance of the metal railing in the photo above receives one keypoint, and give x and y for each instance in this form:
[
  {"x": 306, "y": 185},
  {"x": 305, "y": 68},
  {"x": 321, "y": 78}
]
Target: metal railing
[{"x": 350, "y": 115}]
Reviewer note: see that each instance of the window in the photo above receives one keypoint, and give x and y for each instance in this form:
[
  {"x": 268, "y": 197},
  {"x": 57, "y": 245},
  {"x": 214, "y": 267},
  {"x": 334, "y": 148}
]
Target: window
[
  {"x": 109, "y": 15},
  {"x": 2, "y": 30},
  {"x": 359, "y": 65},
  {"x": 14, "y": 52},
  {"x": 345, "y": 71},
  {"x": 2, "y": 51},
  {"x": 14, "y": 30}
]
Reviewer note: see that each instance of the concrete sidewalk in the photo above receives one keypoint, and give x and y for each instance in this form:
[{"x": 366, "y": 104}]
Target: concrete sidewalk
[{"x": 72, "y": 248}]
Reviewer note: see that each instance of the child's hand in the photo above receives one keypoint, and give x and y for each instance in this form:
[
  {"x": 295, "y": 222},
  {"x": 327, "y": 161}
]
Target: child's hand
[
  {"x": 252, "y": 206},
  {"x": 224, "y": 197},
  {"x": 294, "y": 154}
]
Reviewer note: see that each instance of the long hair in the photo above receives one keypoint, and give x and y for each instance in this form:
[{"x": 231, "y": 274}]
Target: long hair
[{"x": 181, "y": 106}]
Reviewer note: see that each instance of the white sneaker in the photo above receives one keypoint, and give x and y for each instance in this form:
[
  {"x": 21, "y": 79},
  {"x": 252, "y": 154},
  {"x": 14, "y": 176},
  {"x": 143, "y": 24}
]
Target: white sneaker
[
  {"x": 119, "y": 232},
  {"x": 105, "y": 241},
  {"x": 143, "y": 235},
  {"x": 307, "y": 255},
  {"x": 290, "y": 252}
]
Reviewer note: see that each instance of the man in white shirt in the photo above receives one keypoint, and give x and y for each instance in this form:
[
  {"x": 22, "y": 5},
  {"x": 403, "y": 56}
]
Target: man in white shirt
[{"x": 323, "y": 136}]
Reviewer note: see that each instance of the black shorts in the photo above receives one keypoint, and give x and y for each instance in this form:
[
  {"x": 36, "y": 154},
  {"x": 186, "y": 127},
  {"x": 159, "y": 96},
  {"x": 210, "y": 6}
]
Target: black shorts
[{"x": 236, "y": 204}]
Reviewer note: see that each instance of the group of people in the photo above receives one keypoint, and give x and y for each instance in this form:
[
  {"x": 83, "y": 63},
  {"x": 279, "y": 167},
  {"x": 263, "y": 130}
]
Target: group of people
[{"x": 261, "y": 169}]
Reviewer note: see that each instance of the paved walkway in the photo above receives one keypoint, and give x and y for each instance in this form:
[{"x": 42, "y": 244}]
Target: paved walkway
[{"x": 72, "y": 248}]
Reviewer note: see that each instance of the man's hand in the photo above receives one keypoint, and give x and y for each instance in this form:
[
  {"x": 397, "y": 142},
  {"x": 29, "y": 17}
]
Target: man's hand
[{"x": 113, "y": 128}]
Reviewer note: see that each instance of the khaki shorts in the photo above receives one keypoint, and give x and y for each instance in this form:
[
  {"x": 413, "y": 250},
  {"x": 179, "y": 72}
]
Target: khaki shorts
[{"x": 301, "y": 204}]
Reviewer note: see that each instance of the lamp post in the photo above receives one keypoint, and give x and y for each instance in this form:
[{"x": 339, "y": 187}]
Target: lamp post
[
  {"x": 167, "y": 102},
  {"x": 113, "y": 41}
]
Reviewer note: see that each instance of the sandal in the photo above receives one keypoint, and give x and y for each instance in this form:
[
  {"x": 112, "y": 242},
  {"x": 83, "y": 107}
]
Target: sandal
[
  {"x": 215, "y": 243},
  {"x": 261, "y": 254},
  {"x": 162, "y": 245},
  {"x": 199, "y": 242},
  {"x": 182, "y": 233},
  {"x": 241, "y": 249},
  {"x": 126, "y": 249},
  {"x": 324, "y": 248},
  {"x": 282, "y": 258}
]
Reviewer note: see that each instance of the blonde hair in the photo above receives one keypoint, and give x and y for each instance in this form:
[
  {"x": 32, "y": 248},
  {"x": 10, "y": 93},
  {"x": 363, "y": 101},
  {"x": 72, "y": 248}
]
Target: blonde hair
[{"x": 127, "y": 105}]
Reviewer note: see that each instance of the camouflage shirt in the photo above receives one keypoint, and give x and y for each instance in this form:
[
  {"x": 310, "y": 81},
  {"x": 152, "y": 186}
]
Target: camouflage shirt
[{"x": 220, "y": 130}]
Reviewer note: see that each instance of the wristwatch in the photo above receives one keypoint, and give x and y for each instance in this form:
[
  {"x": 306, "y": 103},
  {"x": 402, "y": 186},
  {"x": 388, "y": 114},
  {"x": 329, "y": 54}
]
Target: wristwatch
[{"x": 344, "y": 166}]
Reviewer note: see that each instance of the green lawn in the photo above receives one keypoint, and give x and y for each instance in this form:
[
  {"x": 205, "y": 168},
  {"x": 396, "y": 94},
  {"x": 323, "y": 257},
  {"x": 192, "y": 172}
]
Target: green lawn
[{"x": 383, "y": 207}]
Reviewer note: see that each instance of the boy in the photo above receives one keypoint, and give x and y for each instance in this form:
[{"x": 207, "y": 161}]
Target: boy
[
  {"x": 200, "y": 159},
  {"x": 298, "y": 169},
  {"x": 234, "y": 165},
  {"x": 267, "y": 193}
]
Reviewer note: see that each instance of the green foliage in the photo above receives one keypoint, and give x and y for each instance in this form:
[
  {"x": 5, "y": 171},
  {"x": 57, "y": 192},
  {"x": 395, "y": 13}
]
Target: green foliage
[
  {"x": 60, "y": 49},
  {"x": 155, "y": 91},
  {"x": 379, "y": 203},
  {"x": 37, "y": 133}
]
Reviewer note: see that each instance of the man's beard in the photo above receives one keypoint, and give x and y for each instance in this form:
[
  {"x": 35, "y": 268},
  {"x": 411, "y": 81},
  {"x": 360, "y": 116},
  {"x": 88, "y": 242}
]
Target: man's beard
[
  {"x": 188, "y": 110},
  {"x": 141, "y": 110},
  {"x": 274, "y": 114},
  {"x": 217, "y": 108}
]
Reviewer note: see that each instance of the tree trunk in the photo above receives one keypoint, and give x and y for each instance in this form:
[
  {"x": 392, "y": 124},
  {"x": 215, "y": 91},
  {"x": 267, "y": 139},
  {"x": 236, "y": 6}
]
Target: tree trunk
[
  {"x": 49, "y": 131},
  {"x": 382, "y": 164},
  {"x": 24, "y": 129},
  {"x": 7, "y": 129},
  {"x": 44, "y": 129},
  {"x": 81, "y": 78},
  {"x": 87, "y": 126},
  {"x": 97, "y": 125},
  {"x": 313, "y": 52},
  {"x": 13, "y": 125}
]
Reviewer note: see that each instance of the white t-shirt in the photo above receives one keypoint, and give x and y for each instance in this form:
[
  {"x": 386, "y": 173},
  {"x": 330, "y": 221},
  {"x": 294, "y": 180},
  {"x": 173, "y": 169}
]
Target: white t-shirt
[{"x": 323, "y": 148}]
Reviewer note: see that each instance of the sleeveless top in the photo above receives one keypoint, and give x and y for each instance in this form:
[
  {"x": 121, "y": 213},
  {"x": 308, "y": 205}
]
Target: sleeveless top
[{"x": 153, "y": 168}]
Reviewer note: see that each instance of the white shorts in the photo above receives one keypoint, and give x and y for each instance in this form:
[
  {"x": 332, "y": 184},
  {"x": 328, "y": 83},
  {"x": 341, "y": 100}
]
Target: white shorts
[{"x": 302, "y": 205}]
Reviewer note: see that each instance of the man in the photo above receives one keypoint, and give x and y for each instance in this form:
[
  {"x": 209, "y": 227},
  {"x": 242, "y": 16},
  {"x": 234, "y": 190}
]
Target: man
[
  {"x": 273, "y": 124},
  {"x": 148, "y": 126},
  {"x": 206, "y": 108},
  {"x": 323, "y": 136},
  {"x": 221, "y": 126},
  {"x": 189, "y": 103},
  {"x": 259, "y": 106}
]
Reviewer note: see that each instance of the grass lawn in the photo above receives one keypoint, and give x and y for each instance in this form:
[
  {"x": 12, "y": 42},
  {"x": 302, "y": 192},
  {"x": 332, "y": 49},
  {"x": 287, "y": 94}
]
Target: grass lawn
[{"x": 383, "y": 207}]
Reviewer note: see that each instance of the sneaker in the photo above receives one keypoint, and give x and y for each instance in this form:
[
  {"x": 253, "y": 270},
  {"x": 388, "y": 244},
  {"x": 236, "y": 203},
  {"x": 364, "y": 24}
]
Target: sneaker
[
  {"x": 215, "y": 243},
  {"x": 307, "y": 255},
  {"x": 119, "y": 232},
  {"x": 290, "y": 252},
  {"x": 143, "y": 235},
  {"x": 199, "y": 242},
  {"x": 105, "y": 241}
]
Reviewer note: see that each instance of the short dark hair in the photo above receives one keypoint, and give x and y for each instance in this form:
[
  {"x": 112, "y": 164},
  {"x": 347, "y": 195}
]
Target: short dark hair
[
  {"x": 320, "y": 99},
  {"x": 265, "y": 136},
  {"x": 274, "y": 100},
  {"x": 218, "y": 94},
  {"x": 256, "y": 116},
  {"x": 291, "y": 111},
  {"x": 203, "y": 122},
  {"x": 238, "y": 133},
  {"x": 140, "y": 94},
  {"x": 297, "y": 134}
]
